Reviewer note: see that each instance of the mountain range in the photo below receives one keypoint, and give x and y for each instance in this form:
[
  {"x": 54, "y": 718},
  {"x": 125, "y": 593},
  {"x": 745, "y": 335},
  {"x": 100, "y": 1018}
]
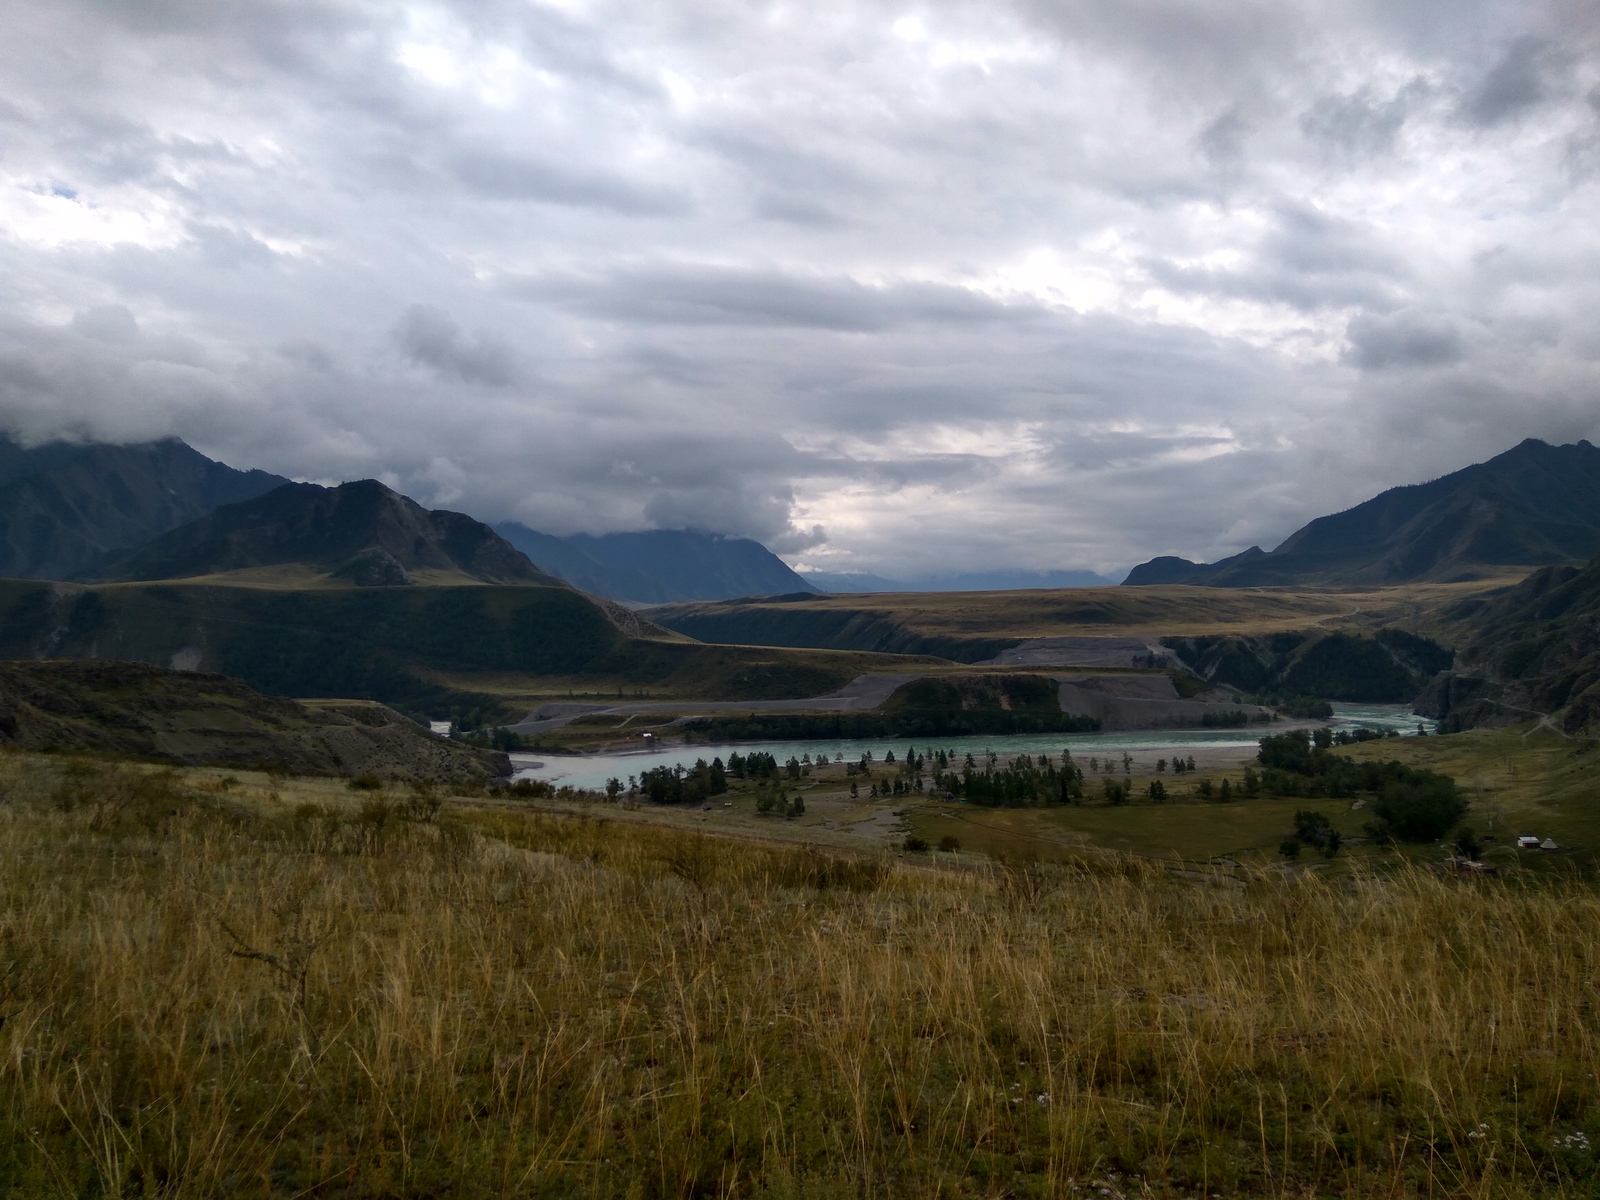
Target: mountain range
[
  {"x": 1535, "y": 504},
  {"x": 64, "y": 506}
]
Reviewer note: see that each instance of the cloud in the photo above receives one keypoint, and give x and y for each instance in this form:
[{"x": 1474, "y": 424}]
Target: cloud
[
  {"x": 1007, "y": 286},
  {"x": 1402, "y": 340},
  {"x": 1515, "y": 84},
  {"x": 693, "y": 294},
  {"x": 428, "y": 337}
]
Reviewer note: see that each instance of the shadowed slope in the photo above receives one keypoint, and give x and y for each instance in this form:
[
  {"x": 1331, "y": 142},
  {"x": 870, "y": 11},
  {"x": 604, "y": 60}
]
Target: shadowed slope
[
  {"x": 135, "y": 709},
  {"x": 63, "y": 507},
  {"x": 1538, "y": 654},
  {"x": 360, "y": 533}
]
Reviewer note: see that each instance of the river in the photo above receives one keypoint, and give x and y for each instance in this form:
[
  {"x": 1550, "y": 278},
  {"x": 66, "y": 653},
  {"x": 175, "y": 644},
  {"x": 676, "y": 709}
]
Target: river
[{"x": 592, "y": 770}]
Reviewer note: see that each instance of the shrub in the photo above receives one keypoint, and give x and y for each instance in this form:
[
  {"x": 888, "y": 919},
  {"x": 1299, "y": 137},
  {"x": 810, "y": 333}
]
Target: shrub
[
  {"x": 949, "y": 843},
  {"x": 915, "y": 844}
]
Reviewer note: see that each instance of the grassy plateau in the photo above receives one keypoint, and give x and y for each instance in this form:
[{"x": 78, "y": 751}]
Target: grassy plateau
[
  {"x": 248, "y": 985},
  {"x": 971, "y": 626}
]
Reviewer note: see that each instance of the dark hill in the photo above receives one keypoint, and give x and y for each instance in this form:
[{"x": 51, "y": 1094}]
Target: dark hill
[
  {"x": 64, "y": 506},
  {"x": 133, "y": 709},
  {"x": 1537, "y": 654},
  {"x": 659, "y": 566},
  {"x": 1535, "y": 504},
  {"x": 359, "y": 533},
  {"x": 1388, "y": 667},
  {"x": 422, "y": 650}
]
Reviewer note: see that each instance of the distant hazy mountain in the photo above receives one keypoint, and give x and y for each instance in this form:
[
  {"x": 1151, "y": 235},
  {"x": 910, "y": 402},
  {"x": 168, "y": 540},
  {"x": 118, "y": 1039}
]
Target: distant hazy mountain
[
  {"x": 973, "y": 581},
  {"x": 1532, "y": 505},
  {"x": 360, "y": 533},
  {"x": 851, "y": 582},
  {"x": 658, "y": 566},
  {"x": 64, "y": 506}
]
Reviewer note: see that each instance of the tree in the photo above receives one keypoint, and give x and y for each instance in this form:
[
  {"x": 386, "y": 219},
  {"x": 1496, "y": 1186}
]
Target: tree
[
  {"x": 1420, "y": 811},
  {"x": 1158, "y": 791},
  {"x": 1315, "y": 829}
]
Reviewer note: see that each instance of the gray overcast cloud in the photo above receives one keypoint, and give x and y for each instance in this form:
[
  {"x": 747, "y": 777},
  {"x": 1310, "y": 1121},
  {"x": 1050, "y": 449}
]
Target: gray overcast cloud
[{"x": 894, "y": 287}]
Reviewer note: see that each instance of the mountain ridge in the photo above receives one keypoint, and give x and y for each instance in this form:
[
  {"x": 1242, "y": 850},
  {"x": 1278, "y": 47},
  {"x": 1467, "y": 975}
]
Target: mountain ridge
[
  {"x": 1533, "y": 505},
  {"x": 64, "y": 506},
  {"x": 361, "y": 533}
]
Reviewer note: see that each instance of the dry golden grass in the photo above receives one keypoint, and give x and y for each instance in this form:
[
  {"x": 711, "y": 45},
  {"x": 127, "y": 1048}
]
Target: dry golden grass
[
  {"x": 282, "y": 988},
  {"x": 1156, "y": 611}
]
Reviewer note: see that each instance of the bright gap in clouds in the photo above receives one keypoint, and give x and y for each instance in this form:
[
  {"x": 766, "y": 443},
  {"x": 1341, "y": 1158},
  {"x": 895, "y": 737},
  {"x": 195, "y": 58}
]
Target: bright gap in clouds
[{"x": 1005, "y": 286}]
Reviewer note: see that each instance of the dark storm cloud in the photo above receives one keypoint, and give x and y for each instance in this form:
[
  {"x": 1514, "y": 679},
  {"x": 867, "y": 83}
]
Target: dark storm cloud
[
  {"x": 1512, "y": 86},
  {"x": 901, "y": 288},
  {"x": 1403, "y": 340}
]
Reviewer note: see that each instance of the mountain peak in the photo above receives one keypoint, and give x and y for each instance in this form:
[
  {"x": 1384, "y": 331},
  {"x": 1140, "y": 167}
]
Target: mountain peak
[
  {"x": 1528, "y": 506},
  {"x": 361, "y": 533}
]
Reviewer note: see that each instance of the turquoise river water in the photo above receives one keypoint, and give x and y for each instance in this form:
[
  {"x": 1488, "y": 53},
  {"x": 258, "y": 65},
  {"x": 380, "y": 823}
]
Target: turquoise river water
[{"x": 592, "y": 770}]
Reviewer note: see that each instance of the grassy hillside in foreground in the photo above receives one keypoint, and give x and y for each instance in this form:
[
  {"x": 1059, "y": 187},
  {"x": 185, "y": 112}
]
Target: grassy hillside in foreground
[
  {"x": 277, "y": 991},
  {"x": 973, "y": 626},
  {"x": 418, "y": 648}
]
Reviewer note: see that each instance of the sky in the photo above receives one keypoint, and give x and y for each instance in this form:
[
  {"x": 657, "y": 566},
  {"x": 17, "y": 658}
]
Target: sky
[{"x": 893, "y": 287}]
